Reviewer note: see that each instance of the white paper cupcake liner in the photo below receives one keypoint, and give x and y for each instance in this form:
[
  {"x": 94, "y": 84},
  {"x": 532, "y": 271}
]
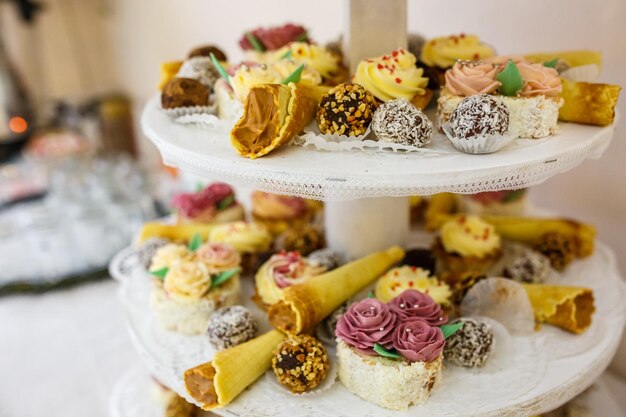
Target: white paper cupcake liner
[
  {"x": 587, "y": 73},
  {"x": 479, "y": 145},
  {"x": 328, "y": 382},
  {"x": 178, "y": 112},
  {"x": 338, "y": 143}
]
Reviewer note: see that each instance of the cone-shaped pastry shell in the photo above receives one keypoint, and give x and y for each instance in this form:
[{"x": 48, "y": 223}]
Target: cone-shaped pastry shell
[
  {"x": 570, "y": 308},
  {"x": 217, "y": 383},
  {"x": 306, "y": 304}
]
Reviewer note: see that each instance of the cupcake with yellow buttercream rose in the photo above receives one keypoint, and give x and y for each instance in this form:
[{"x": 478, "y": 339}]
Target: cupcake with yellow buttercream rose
[
  {"x": 466, "y": 245},
  {"x": 392, "y": 76},
  {"x": 249, "y": 239},
  {"x": 190, "y": 285},
  {"x": 279, "y": 212},
  {"x": 327, "y": 63},
  {"x": 439, "y": 54}
]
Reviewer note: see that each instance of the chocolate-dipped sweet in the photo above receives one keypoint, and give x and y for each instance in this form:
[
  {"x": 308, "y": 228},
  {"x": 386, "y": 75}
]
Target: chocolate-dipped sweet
[
  {"x": 479, "y": 115},
  {"x": 300, "y": 363},
  {"x": 346, "y": 110},
  {"x": 206, "y": 51},
  {"x": 471, "y": 345},
  {"x": 184, "y": 92},
  {"x": 560, "y": 249},
  {"x": 399, "y": 121},
  {"x": 304, "y": 239},
  {"x": 231, "y": 326},
  {"x": 420, "y": 258},
  {"x": 529, "y": 267}
]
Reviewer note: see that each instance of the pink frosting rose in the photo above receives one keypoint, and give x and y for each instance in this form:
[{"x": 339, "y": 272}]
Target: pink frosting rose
[
  {"x": 218, "y": 256},
  {"x": 365, "y": 323},
  {"x": 417, "y": 341},
  {"x": 413, "y": 304},
  {"x": 539, "y": 80},
  {"x": 193, "y": 204},
  {"x": 467, "y": 78},
  {"x": 287, "y": 268}
]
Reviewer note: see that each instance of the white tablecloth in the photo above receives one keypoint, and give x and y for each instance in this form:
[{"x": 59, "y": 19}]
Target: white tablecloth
[{"x": 61, "y": 354}]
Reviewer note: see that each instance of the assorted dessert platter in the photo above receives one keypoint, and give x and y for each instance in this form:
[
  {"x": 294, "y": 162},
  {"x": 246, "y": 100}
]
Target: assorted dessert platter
[
  {"x": 445, "y": 95},
  {"x": 251, "y": 313}
]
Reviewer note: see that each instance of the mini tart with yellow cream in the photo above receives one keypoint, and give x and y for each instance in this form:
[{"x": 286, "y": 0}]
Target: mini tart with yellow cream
[
  {"x": 316, "y": 57},
  {"x": 279, "y": 212},
  {"x": 466, "y": 245},
  {"x": 283, "y": 270},
  {"x": 393, "y": 76},
  {"x": 402, "y": 278},
  {"x": 249, "y": 239}
]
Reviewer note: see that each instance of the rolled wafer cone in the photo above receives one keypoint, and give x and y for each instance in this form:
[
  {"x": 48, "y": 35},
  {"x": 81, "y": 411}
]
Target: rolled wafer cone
[
  {"x": 217, "y": 383},
  {"x": 570, "y": 308},
  {"x": 304, "y": 305}
]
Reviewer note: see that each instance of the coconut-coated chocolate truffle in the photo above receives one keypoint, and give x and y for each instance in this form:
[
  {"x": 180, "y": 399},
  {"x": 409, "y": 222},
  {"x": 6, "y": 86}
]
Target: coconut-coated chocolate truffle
[
  {"x": 327, "y": 258},
  {"x": 331, "y": 321},
  {"x": 471, "y": 345},
  {"x": 399, "y": 121},
  {"x": 530, "y": 267},
  {"x": 346, "y": 110},
  {"x": 300, "y": 363},
  {"x": 478, "y": 115},
  {"x": 201, "y": 69},
  {"x": 184, "y": 92},
  {"x": 206, "y": 51},
  {"x": 231, "y": 326}
]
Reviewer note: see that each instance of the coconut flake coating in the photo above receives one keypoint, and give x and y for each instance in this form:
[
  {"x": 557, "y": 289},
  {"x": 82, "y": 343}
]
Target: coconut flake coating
[
  {"x": 331, "y": 321},
  {"x": 479, "y": 115},
  {"x": 231, "y": 326},
  {"x": 399, "y": 121},
  {"x": 529, "y": 267},
  {"x": 327, "y": 258},
  {"x": 471, "y": 345},
  {"x": 200, "y": 68}
]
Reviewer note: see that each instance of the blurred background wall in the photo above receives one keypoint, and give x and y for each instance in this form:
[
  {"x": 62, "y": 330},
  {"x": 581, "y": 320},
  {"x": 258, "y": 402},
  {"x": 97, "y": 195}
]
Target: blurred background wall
[{"x": 87, "y": 46}]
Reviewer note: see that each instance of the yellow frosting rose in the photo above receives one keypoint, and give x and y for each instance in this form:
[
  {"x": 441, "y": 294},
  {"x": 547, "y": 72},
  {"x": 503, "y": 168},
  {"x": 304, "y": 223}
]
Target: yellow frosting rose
[
  {"x": 445, "y": 51},
  {"x": 396, "y": 280},
  {"x": 286, "y": 67},
  {"x": 245, "y": 237},
  {"x": 187, "y": 281},
  {"x": 314, "y": 56},
  {"x": 392, "y": 76},
  {"x": 469, "y": 236},
  {"x": 169, "y": 254}
]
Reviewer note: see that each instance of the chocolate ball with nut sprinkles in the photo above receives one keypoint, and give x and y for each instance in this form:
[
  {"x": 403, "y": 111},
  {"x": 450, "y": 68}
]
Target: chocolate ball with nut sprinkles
[
  {"x": 300, "y": 363},
  {"x": 346, "y": 109},
  {"x": 479, "y": 115}
]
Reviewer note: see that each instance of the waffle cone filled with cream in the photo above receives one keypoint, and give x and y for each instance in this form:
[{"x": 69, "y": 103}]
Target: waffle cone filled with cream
[
  {"x": 217, "y": 383},
  {"x": 273, "y": 115},
  {"x": 304, "y": 305}
]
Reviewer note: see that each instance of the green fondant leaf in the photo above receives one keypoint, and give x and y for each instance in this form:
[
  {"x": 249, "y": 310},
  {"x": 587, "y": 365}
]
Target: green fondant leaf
[
  {"x": 286, "y": 55},
  {"x": 382, "y": 351},
  {"x": 371, "y": 294},
  {"x": 199, "y": 187},
  {"x": 552, "y": 63},
  {"x": 511, "y": 79},
  {"x": 303, "y": 38},
  {"x": 160, "y": 273},
  {"x": 218, "y": 280},
  {"x": 450, "y": 329},
  {"x": 226, "y": 202},
  {"x": 220, "y": 68},
  {"x": 195, "y": 242},
  {"x": 294, "y": 77},
  {"x": 256, "y": 44}
]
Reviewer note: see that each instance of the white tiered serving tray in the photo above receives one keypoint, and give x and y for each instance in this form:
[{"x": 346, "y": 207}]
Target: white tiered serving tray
[
  {"x": 332, "y": 176},
  {"x": 537, "y": 374}
]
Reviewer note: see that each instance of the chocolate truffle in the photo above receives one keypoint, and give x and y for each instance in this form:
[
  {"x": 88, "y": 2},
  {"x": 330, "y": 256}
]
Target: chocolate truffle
[
  {"x": 300, "y": 363},
  {"x": 304, "y": 239},
  {"x": 184, "y": 92},
  {"x": 530, "y": 266},
  {"x": 230, "y": 326},
  {"x": 398, "y": 121},
  {"x": 146, "y": 251},
  {"x": 206, "y": 51},
  {"x": 327, "y": 258},
  {"x": 471, "y": 345},
  {"x": 420, "y": 258},
  {"x": 201, "y": 69},
  {"x": 479, "y": 115},
  {"x": 559, "y": 249},
  {"x": 331, "y": 321},
  {"x": 346, "y": 110}
]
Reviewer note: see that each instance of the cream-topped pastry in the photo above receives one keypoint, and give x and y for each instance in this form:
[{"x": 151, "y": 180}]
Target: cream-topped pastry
[
  {"x": 314, "y": 56},
  {"x": 392, "y": 76},
  {"x": 187, "y": 281},
  {"x": 399, "y": 279},
  {"x": 168, "y": 255},
  {"x": 468, "y": 78},
  {"x": 443, "y": 52},
  {"x": 283, "y": 270},
  {"x": 245, "y": 237},
  {"x": 469, "y": 236},
  {"x": 270, "y": 206}
]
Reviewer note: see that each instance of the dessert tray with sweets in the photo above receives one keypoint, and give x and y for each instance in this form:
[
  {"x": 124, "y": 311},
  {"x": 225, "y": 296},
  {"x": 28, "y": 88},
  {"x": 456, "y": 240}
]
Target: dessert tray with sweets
[
  {"x": 446, "y": 114},
  {"x": 427, "y": 332}
]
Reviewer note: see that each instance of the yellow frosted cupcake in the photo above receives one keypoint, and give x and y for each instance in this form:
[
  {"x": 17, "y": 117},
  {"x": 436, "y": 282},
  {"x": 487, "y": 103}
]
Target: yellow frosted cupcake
[
  {"x": 279, "y": 212},
  {"x": 466, "y": 245},
  {"x": 396, "y": 280},
  {"x": 249, "y": 239}
]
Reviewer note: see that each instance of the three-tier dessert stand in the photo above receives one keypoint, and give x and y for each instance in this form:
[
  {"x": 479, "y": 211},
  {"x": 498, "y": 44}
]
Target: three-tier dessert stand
[{"x": 366, "y": 195}]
